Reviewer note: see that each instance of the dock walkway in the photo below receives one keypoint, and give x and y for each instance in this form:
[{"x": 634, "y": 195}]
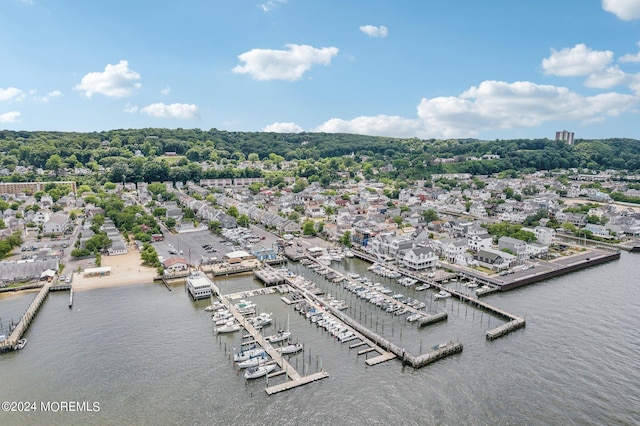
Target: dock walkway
[
  {"x": 26, "y": 319},
  {"x": 294, "y": 378}
]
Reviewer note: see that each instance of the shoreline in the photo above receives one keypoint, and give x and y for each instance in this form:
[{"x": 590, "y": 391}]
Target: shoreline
[{"x": 126, "y": 269}]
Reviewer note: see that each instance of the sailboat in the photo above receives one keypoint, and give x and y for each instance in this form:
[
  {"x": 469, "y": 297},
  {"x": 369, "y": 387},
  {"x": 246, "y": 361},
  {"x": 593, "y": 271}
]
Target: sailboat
[{"x": 280, "y": 335}]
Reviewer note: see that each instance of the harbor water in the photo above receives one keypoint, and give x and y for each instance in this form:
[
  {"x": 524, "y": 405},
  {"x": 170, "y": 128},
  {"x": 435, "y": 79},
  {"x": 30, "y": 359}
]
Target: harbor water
[{"x": 147, "y": 355}]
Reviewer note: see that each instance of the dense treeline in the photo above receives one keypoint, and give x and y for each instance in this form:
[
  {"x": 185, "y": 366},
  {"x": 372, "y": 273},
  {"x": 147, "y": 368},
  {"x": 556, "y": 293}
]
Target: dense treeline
[{"x": 139, "y": 154}]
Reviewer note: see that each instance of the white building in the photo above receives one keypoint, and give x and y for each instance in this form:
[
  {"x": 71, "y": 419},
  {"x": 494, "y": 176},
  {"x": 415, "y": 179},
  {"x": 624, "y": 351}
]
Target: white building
[{"x": 419, "y": 259}]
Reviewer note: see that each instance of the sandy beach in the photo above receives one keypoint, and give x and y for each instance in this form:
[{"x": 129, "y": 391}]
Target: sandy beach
[{"x": 126, "y": 269}]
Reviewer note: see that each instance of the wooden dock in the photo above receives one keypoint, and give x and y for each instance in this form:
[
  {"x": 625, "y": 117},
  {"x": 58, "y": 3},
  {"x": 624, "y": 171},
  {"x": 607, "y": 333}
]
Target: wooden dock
[
  {"x": 295, "y": 383},
  {"x": 294, "y": 379},
  {"x": 26, "y": 319}
]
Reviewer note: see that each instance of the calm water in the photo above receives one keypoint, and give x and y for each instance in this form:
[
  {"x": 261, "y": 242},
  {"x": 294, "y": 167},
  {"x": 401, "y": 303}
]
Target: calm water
[{"x": 149, "y": 356}]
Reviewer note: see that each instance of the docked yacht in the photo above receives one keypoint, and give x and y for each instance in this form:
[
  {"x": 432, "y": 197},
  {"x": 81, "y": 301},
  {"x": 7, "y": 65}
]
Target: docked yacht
[
  {"x": 254, "y": 362},
  {"x": 259, "y": 371},
  {"x": 290, "y": 349},
  {"x": 262, "y": 320},
  {"x": 21, "y": 344},
  {"x": 228, "y": 327},
  {"x": 280, "y": 336},
  {"x": 442, "y": 294},
  {"x": 248, "y": 354}
]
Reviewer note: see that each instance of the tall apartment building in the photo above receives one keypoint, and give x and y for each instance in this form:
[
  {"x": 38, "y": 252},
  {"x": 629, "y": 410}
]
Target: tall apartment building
[{"x": 565, "y": 136}]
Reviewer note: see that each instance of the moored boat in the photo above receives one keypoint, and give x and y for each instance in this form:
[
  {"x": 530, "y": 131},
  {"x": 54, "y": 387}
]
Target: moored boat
[
  {"x": 256, "y": 361},
  {"x": 21, "y": 344},
  {"x": 248, "y": 353},
  {"x": 228, "y": 327},
  {"x": 279, "y": 336},
  {"x": 442, "y": 294},
  {"x": 290, "y": 349},
  {"x": 259, "y": 371}
]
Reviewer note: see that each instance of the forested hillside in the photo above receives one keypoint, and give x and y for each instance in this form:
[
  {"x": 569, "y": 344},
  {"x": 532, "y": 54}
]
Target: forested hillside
[{"x": 139, "y": 154}]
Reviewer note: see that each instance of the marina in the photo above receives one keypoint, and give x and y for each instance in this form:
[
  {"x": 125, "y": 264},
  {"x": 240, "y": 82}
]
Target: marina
[{"x": 484, "y": 381}]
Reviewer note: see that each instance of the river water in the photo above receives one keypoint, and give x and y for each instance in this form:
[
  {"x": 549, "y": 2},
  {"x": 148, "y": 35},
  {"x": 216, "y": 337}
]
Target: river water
[{"x": 146, "y": 355}]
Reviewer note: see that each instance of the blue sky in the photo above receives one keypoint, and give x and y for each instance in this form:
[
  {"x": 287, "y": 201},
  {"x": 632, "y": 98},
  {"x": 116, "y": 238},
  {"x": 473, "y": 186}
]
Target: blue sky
[{"x": 498, "y": 69}]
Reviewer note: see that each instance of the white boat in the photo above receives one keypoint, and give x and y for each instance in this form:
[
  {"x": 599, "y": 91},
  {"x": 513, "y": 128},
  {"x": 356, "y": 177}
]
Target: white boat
[
  {"x": 21, "y": 344},
  {"x": 254, "y": 362},
  {"x": 248, "y": 353},
  {"x": 422, "y": 287},
  {"x": 443, "y": 294},
  {"x": 344, "y": 335},
  {"x": 228, "y": 327},
  {"x": 214, "y": 307},
  {"x": 262, "y": 320},
  {"x": 259, "y": 371},
  {"x": 290, "y": 349},
  {"x": 349, "y": 253},
  {"x": 279, "y": 336},
  {"x": 221, "y": 315},
  {"x": 414, "y": 317}
]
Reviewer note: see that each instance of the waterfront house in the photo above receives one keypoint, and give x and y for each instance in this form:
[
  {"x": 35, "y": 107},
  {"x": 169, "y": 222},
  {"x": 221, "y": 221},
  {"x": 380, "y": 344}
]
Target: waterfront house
[
  {"x": 418, "y": 259},
  {"x": 494, "y": 259},
  {"x": 515, "y": 246},
  {"x": 175, "y": 264}
]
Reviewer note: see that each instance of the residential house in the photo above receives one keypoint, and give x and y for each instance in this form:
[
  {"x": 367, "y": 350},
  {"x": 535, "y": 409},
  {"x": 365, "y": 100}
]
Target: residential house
[
  {"x": 494, "y": 259},
  {"x": 418, "y": 259},
  {"x": 515, "y": 246},
  {"x": 56, "y": 224}
]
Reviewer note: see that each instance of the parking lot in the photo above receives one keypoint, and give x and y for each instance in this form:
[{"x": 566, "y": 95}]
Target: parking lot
[{"x": 191, "y": 245}]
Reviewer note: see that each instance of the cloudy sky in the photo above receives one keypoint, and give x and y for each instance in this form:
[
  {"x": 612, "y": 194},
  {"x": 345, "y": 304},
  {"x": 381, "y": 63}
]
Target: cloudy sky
[{"x": 496, "y": 69}]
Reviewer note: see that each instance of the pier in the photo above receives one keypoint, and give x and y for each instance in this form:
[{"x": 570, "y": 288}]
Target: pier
[
  {"x": 25, "y": 321},
  {"x": 294, "y": 379},
  {"x": 270, "y": 276}
]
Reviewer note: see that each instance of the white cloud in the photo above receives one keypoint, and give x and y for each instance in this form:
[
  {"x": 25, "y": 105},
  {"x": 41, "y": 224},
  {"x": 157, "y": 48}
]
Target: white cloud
[
  {"x": 379, "y": 125},
  {"x": 11, "y": 93},
  {"x": 291, "y": 64},
  {"x": 607, "y": 79},
  {"x": 634, "y": 83},
  {"x": 631, "y": 57},
  {"x": 270, "y": 5},
  {"x": 131, "y": 109},
  {"x": 283, "y": 128},
  {"x": 578, "y": 60},
  {"x": 626, "y": 10},
  {"x": 490, "y": 106},
  {"x": 373, "y": 31},
  {"x": 116, "y": 81},
  {"x": 183, "y": 111},
  {"x": 501, "y": 105},
  {"x": 166, "y": 90},
  {"x": 46, "y": 98},
  {"x": 9, "y": 117}
]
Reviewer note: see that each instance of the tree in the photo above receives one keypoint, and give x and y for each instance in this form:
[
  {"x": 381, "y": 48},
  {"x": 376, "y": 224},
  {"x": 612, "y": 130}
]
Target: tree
[
  {"x": 233, "y": 211},
  {"x": 430, "y": 215},
  {"x": 215, "y": 226},
  {"x": 54, "y": 163},
  {"x": 346, "y": 239},
  {"x": 170, "y": 222},
  {"x": 243, "y": 221},
  {"x": 308, "y": 228}
]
